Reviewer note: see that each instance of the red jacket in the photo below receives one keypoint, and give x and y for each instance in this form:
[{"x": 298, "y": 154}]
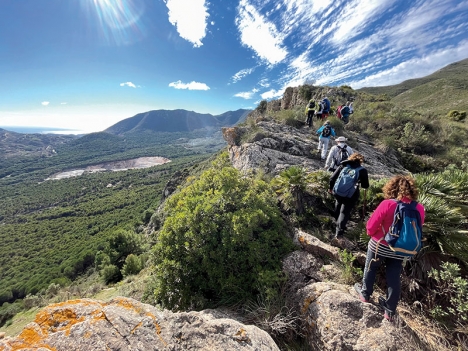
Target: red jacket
[{"x": 380, "y": 221}]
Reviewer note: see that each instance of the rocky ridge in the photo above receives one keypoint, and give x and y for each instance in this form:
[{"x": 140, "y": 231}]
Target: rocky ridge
[{"x": 334, "y": 317}]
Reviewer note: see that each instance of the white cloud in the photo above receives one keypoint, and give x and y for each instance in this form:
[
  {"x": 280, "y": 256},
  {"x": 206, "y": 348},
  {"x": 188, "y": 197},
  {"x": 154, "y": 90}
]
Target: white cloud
[
  {"x": 128, "y": 84},
  {"x": 241, "y": 74},
  {"x": 247, "y": 95},
  {"x": 272, "y": 94},
  {"x": 414, "y": 68},
  {"x": 356, "y": 16},
  {"x": 45, "y": 103},
  {"x": 189, "y": 86},
  {"x": 257, "y": 33},
  {"x": 63, "y": 103},
  {"x": 190, "y": 19},
  {"x": 264, "y": 83}
]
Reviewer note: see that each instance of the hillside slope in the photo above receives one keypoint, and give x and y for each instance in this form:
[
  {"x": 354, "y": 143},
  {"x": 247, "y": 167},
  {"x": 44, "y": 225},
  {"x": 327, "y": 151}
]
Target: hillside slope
[{"x": 438, "y": 93}]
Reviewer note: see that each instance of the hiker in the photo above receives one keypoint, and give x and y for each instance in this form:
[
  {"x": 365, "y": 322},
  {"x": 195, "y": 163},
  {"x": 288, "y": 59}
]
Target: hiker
[
  {"x": 326, "y": 107},
  {"x": 325, "y": 132},
  {"x": 339, "y": 152},
  {"x": 318, "y": 110},
  {"x": 351, "y": 108},
  {"x": 345, "y": 201},
  {"x": 345, "y": 112},
  {"x": 338, "y": 111},
  {"x": 401, "y": 188},
  {"x": 310, "y": 111}
]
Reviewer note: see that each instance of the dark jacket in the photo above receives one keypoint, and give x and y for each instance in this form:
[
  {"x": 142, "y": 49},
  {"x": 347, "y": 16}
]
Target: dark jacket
[{"x": 363, "y": 176}]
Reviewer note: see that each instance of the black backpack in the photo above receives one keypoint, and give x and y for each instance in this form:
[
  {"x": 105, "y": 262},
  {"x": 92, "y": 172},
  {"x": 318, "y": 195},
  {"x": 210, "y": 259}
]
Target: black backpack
[
  {"x": 326, "y": 132},
  {"x": 343, "y": 154},
  {"x": 312, "y": 105},
  {"x": 345, "y": 111}
]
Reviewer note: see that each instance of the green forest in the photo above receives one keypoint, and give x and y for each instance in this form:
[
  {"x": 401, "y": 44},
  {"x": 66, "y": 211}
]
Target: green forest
[{"x": 50, "y": 231}]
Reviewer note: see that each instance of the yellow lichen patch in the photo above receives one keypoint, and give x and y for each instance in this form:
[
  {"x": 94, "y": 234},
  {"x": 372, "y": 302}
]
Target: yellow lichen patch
[
  {"x": 158, "y": 328},
  {"x": 241, "y": 335},
  {"x": 126, "y": 303},
  {"x": 87, "y": 335},
  {"x": 58, "y": 320},
  {"x": 97, "y": 316},
  {"x": 307, "y": 303},
  {"x": 31, "y": 336},
  {"x": 136, "y": 327},
  {"x": 302, "y": 239}
]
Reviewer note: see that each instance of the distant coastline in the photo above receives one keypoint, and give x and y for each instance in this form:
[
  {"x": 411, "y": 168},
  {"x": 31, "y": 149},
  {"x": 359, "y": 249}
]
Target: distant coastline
[{"x": 41, "y": 130}]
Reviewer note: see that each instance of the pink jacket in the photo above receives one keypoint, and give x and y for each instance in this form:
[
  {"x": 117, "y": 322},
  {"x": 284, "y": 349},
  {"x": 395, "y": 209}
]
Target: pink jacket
[{"x": 380, "y": 221}]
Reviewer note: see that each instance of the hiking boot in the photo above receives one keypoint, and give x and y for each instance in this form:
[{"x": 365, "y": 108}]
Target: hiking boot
[
  {"x": 389, "y": 315},
  {"x": 339, "y": 233},
  {"x": 357, "y": 287}
]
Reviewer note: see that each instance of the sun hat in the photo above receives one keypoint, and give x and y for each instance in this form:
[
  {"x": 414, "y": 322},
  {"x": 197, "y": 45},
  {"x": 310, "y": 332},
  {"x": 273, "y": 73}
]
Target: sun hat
[{"x": 340, "y": 139}]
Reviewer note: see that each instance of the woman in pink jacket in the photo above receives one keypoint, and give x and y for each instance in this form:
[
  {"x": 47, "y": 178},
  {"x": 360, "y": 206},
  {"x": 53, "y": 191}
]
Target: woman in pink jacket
[{"x": 401, "y": 188}]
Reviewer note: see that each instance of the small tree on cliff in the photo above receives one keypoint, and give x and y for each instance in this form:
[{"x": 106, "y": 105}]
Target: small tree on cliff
[{"x": 222, "y": 241}]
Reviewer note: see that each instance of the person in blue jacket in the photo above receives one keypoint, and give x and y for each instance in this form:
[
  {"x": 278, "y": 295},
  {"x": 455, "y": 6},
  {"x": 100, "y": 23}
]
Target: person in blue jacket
[
  {"x": 326, "y": 108},
  {"x": 325, "y": 132}
]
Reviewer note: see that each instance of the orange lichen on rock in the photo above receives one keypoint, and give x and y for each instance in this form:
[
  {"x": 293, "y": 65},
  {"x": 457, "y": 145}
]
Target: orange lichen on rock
[
  {"x": 125, "y": 303},
  {"x": 31, "y": 336},
  {"x": 58, "y": 320},
  {"x": 302, "y": 240},
  {"x": 241, "y": 335}
]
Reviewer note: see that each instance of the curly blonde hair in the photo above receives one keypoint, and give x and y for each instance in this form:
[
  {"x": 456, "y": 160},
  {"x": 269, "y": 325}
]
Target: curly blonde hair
[
  {"x": 399, "y": 187},
  {"x": 356, "y": 157}
]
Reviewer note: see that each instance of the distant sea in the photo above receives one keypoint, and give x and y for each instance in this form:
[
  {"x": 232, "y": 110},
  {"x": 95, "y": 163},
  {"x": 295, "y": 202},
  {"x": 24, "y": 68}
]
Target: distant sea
[{"x": 41, "y": 130}]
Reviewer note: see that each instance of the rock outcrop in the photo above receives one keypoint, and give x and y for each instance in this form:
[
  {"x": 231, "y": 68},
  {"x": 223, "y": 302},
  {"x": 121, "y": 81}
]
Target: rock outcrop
[
  {"x": 273, "y": 147},
  {"x": 126, "y": 324},
  {"x": 335, "y": 318}
]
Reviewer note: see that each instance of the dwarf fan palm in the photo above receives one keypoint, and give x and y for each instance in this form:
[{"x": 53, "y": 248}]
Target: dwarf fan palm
[
  {"x": 444, "y": 198},
  {"x": 290, "y": 185}
]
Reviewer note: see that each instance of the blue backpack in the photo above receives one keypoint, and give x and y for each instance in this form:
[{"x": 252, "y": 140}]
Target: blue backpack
[
  {"x": 347, "y": 181},
  {"x": 405, "y": 234},
  {"x": 326, "y": 105}
]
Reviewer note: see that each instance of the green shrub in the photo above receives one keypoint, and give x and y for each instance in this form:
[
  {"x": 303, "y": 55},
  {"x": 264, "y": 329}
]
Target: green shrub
[
  {"x": 262, "y": 106},
  {"x": 110, "y": 274},
  {"x": 451, "y": 300},
  {"x": 457, "y": 116},
  {"x": 349, "y": 272},
  {"x": 31, "y": 301},
  {"x": 122, "y": 244},
  {"x": 132, "y": 265},
  {"x": 305, "y": 92},
  {"x": 222, "y": 240},
  {"x": 8, "y": 311}
]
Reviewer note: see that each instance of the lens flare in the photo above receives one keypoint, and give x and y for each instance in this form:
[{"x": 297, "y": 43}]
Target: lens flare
[{"x": 119, "y": 21}]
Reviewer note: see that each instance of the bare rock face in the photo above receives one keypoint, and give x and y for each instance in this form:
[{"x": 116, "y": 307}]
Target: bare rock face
[
  {"x": 340, "y": 321},
  {"x": 276, "y": 146},
  {"x": 126, "y": 324}
]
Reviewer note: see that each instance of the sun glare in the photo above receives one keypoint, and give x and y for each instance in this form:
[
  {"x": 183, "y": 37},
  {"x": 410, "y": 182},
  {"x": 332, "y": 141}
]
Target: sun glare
[{"x": 119, "y": 20}]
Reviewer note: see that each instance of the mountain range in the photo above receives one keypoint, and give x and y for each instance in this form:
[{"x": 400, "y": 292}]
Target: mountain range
[{"x": 176, "y": 121}]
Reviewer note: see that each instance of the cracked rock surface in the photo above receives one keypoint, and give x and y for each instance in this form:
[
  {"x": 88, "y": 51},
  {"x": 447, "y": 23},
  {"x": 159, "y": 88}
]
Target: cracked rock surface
[{"x": 127, "y": 324}]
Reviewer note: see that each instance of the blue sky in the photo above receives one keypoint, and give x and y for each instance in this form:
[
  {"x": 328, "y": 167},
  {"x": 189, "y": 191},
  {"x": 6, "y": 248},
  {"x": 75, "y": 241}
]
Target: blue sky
[{"x": 85, "y": 65}]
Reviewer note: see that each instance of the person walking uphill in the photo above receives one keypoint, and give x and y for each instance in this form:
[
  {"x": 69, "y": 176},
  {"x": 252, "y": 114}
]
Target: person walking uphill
[
  {"x": 344, "y": 185},
  {"x": 326, "y": 107},
  {"x": 338, "y": 153},
  {"x": 398, "y": 189},
  {"x": 310, "y": 111},
  {"x": 325, "y": 132}
]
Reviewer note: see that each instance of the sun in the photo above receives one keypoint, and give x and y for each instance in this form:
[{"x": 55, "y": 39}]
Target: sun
[{"x": 119, "y": 20}]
